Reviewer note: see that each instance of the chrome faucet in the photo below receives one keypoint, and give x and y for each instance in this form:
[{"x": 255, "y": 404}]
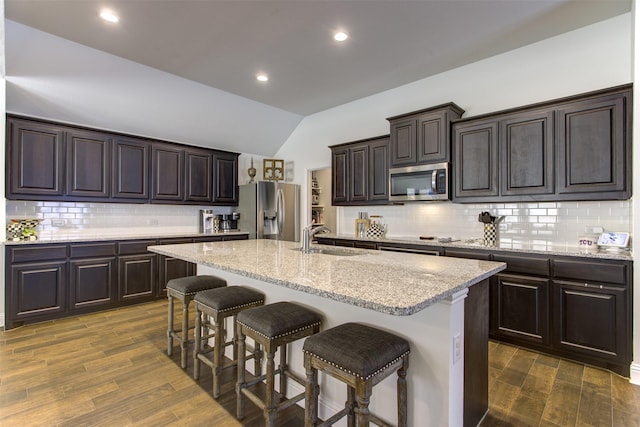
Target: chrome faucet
[{"x": 308, "y": 232}]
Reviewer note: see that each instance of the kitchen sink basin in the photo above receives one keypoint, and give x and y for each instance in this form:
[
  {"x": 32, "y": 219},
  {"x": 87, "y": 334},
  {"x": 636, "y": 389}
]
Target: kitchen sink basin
[{"x": 335, "y": 252}]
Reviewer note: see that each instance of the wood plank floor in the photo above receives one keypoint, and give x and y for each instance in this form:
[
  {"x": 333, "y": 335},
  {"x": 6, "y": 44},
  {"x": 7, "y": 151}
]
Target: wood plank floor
[{"x": 111, "y": 369}]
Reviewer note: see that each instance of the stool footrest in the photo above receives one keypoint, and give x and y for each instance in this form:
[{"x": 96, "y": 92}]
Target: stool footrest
[{"x": 335, "y": 417}]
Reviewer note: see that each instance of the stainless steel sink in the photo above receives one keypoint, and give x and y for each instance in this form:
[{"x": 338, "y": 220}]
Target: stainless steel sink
[{"x": 335, "y": 252}]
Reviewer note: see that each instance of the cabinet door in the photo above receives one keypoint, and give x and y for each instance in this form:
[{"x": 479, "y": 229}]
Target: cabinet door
[
  {"x": 225, "y": 181},
  {"x": 340, "y": 176},
  {"x": 88, "y": 164},
  {"x": 130, "y": 169},
  {"x": 198, "y": 176},
  {"x": 92, "y": 282},
  {"x": 476, "y": 159},
  {"x": 172, "y": 268},
  {"x": 592, "y": 319},
  {"x": 432, "y": 141},
  {"x": 358, "y": 176},
  {"x": 167, "y": 168},
  {"x": 137, "y": 277},
  {"x": 594, "y": 147},
  {"x": 379, "y": 170},
  {"x": 35, "y": 160},
  {"x": 403, "y": 142},
  {"x": 520, "y": 308},
  {"x": 38, "y": 290},
  {"x": 527, "y": 153}
]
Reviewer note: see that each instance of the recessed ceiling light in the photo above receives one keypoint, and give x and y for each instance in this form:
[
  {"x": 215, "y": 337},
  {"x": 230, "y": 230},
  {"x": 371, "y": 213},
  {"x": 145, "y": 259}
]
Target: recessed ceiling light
[
  {"x": 109, "y": 16},
  {"x": 340, "y": 36},
  {"x": 262, "y": 77}
]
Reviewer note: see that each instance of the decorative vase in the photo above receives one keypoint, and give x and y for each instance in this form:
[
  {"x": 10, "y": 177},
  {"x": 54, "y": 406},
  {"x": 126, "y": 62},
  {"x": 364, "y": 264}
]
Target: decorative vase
[{"x": 252, "y": 172}]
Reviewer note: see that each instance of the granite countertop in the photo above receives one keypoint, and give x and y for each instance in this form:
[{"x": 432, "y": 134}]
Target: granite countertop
[
  {"x": 526, "y": 247},
  {"x": 387, "y": 282},
  {"x": 134, "y": 235}
]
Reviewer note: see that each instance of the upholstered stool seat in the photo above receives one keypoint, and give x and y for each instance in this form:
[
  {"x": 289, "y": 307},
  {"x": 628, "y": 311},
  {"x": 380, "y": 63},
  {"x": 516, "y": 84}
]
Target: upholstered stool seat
[
  {"x": 272, "y": 326},
  {"x": 361, "y": 356},
  {"x": 219, "y": 304},
  {"x": 184, "y": 290}
]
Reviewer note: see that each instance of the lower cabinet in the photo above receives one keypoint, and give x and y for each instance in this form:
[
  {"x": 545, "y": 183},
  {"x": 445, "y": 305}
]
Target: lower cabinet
[{"x": 50, "y": 281}]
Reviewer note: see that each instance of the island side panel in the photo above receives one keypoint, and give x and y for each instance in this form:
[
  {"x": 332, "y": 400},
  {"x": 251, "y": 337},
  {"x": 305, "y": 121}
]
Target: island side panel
[
  {"x": 476, "y": 353},
  {"x": 435, "y": 381}
]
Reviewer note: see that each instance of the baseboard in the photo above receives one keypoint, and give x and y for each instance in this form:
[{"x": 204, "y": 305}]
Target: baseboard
[{"x": 635, "y": 373}]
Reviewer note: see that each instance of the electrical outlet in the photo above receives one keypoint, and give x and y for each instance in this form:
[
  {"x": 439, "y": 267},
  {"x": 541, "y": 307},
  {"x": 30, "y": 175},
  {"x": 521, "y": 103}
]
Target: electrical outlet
[
  {"x": 457, "y": 348},
  {"x": 57, "y": 222}
]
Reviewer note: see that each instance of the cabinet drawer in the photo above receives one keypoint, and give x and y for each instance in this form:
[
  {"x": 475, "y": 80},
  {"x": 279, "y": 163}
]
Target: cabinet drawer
[
  {"x": 538, "y": 266},
  {"x": 174, "y": 241},
  {"x": 457, "y": 253},
  {"x": 92, "y": 250},
  {"x": 591, "y": 271},
  {"x": 38, "y": 253},
  {"x": 135, "y": 247},
  {"x": 208, "y": 239}
]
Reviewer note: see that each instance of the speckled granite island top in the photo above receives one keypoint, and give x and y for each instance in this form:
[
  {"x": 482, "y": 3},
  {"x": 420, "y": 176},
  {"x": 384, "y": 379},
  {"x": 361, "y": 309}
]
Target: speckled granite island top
[{"x": 387, "y": 282}]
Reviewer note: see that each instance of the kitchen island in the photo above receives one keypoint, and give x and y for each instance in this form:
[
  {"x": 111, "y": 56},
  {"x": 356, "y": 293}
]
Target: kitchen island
[{"x": 419, "y": 298}]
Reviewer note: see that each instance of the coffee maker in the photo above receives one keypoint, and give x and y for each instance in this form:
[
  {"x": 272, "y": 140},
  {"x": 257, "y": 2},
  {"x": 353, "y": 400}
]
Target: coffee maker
[
  {"x": 229, "y": 222},
  {"x": 207, "y": 221}
]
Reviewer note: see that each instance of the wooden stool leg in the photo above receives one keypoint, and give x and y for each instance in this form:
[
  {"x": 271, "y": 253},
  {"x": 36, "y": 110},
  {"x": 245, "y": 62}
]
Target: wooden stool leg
[
  {"x": 170, "y": 326},
  {"x": 197, "y": 345},
  {"x": 351, "y": 403},
  {"x": 234, "y": 339},
  {"x": 218, "y": 352},
  {"x": 185, "y": 332},
  {"x": 363, "y": 395},
  {"x": 283, "y": 368},
  {"x": 257, "y": 359},
  {"x": 270, "y": 407},
  {"x": 402, "y": 392},
  {"x": 310, "y": 393},
  {"x": 241, "y": 375}
]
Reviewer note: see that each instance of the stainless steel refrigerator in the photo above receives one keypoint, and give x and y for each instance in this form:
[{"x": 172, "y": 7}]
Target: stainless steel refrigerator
[{"x": 270, "y": 210}]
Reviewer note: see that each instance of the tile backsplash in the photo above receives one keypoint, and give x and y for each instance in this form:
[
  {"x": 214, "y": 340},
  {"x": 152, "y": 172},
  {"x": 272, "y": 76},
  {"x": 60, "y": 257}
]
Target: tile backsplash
[
  {"x": 541, "y": 224},
  {"x": 109, "y": 218}
]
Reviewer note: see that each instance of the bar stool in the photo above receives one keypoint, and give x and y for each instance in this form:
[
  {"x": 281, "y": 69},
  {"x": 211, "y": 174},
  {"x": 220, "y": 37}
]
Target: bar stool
[
  {"x": 219, "y": 304},
  {"x": 361, "y": 357},
  {"x": 184, "y": 289},
  {"x": 272, "y": 326}
]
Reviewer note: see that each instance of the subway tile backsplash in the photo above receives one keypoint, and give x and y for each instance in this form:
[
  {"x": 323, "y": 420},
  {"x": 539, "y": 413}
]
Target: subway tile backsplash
[
  {"x": 542, "y": 224},
  {"x": 109, "y": 218}
]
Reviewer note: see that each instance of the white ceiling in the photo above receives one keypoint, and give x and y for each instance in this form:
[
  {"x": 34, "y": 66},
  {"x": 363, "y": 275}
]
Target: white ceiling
[{"x": 224, "y": 43}]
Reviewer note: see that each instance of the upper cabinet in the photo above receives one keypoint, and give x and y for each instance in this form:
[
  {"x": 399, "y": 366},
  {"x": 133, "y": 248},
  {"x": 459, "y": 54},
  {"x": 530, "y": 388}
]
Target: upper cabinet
[
  {"x": 360, "y": 172},
  {"x": 422, "y": 137},
  {"x": 49, "y": 161},
  {"x": 576, "y": 148},
  {"x": 34, "y": 160}
]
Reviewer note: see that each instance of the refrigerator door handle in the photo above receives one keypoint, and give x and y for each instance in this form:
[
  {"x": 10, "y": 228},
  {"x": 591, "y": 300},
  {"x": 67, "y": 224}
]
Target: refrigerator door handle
[{"x": 280, "y": 212}]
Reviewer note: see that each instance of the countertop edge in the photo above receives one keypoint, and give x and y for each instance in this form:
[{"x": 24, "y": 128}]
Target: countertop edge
[{"x": 104, "y": 238}]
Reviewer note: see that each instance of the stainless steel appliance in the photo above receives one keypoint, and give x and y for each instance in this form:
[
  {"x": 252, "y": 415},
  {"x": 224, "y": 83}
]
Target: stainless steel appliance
[
  {"x": 207, "y": 220},
  {"x": 270, "y": 210},
  {"x": 416, "y": 183},
  {"x": 229, "y": 222}
]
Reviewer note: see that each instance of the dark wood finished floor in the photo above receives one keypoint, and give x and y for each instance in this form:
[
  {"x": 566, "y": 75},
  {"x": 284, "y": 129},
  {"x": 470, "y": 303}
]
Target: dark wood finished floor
[{"x": 111, "y": 369}]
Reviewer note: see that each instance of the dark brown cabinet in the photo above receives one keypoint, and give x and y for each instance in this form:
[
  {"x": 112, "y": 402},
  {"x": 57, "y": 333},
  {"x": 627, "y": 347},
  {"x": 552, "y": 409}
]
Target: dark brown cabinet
[
  {"x": 49, "y": 161},
  {"x": 594, "y": 147},
  {"x": 511, "y": 155},
  {"x": 35, "y": 283},
  {"x": 422, "y": 137},
  {"x": 475, "y": 159},
  {"x": 360, "y": 172},
  {"x": 130, "y": 176},
  {"x": 137, "y": 278},
  {"x": 88, "y": 164},
  {"x": 167, "y": 173},
  {"x": 225, "y": 182},
  {"x": 92, "y": 275},
  {"x": 172, "y": 268},
  {"x": 35, "y": 153}
]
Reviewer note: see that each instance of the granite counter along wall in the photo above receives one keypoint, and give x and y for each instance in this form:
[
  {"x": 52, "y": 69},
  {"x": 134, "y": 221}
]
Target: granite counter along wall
[
  {"x": 541, "y": 224},
  {"x": 109, "y": 218}
]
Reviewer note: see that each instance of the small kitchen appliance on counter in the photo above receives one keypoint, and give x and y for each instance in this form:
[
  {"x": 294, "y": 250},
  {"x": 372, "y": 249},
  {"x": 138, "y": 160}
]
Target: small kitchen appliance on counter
[{"x": 207, "y": 221}]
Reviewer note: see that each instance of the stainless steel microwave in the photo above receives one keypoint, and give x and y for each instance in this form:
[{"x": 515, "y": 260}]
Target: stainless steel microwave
[{"x": 416, "y": 183}]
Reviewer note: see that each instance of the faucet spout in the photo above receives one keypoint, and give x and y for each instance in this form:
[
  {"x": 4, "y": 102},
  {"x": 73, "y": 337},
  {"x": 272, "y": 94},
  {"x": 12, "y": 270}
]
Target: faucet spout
[{"x": 308, "y": 232}]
